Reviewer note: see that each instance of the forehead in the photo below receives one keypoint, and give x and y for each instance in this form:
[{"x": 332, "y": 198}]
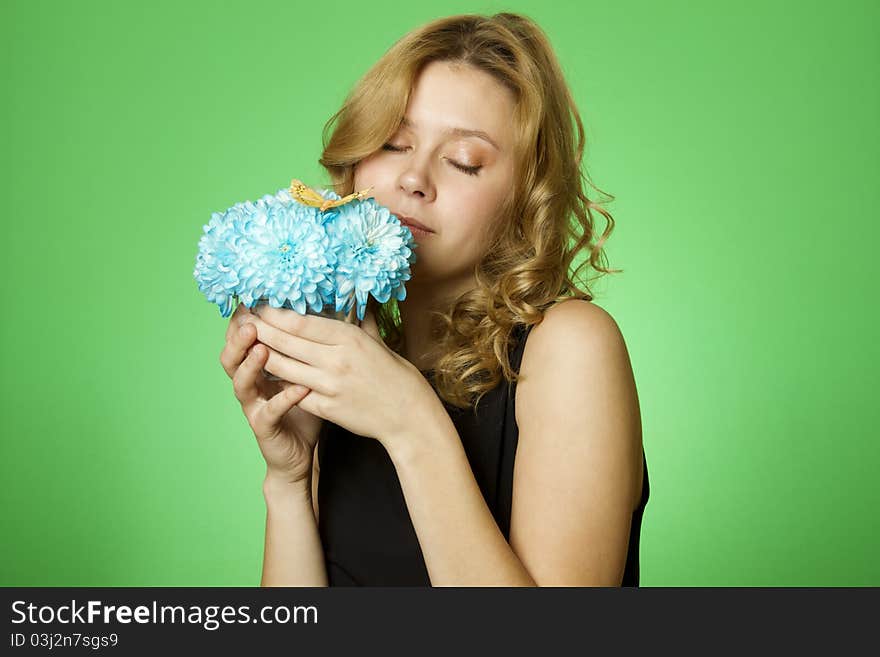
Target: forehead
[{"x": 460, "y": 97}]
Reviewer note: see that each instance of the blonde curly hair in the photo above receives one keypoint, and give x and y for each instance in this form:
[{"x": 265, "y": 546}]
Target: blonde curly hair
[{"x": 528, "y": 264}]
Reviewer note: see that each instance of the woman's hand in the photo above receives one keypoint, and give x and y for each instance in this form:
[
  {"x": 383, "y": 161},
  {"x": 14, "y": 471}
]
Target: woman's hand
[
  {"x": 286, "y": 434},
  {"x": 356, "y": 381}
]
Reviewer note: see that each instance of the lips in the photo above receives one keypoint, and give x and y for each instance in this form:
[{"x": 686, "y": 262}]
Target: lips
[{"x": 409, "y": 221}]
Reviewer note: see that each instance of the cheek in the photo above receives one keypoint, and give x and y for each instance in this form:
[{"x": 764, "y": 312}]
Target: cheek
[
  {"x": 476, "y": 210},
  {"x": 368, "y": 172},
  {"x": 478, "y": 217}
]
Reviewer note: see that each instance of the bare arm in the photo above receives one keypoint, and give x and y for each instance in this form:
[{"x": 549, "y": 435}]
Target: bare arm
[
  {"x": 460, "y": 540},
  {"x": 578, "y": 474},
  {"x": 293, "y": 554}
]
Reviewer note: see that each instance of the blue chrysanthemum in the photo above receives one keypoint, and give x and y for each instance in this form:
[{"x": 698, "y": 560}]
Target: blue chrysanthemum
[
  {"x": 373, "y": 254},
  {"x": 217, "y": 263},
  {"x": 287, "y": 256}
]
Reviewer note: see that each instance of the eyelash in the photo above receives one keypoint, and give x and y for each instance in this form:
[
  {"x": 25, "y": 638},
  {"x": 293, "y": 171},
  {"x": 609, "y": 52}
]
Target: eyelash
[{"x": 471, "y": 171}]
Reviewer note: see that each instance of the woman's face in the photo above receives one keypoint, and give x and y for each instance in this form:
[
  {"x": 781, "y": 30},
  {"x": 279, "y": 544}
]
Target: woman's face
[{"x": 445, "y": 175}]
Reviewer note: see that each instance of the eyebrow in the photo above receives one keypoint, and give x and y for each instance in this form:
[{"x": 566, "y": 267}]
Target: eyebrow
[{"x": 458, "y": 132}]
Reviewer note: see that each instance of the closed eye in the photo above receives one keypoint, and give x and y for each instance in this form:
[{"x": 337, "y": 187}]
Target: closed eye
[{"x": 471, "y": 171}]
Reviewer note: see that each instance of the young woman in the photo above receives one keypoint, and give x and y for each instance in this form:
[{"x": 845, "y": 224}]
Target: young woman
[{"x": 486, "y": 430}]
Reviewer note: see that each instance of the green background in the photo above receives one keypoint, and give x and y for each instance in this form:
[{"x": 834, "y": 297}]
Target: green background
[{"x": 740, "y": 141}]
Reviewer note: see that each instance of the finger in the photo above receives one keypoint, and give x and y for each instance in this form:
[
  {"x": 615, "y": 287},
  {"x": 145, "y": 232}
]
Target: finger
[
  {"x": 316, "y": 404},
  {"x": 296, "y": 371},
  {"x": 235, "y": 349},
  {"x": 324, "y": 330},
  {"x": 281, "y": 404},
  {"x": 370, "y": 326},
  {"x": 293, "y": 346},
  {"x": 244, "y": 380},
  {"x": 241, "y": 312}
]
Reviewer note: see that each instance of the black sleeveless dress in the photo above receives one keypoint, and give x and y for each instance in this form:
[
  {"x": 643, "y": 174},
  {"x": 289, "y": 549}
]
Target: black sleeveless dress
[{"x": 365, "y": 528}]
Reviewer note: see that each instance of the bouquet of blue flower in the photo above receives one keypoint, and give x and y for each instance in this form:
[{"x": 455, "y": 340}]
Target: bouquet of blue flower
[{"x": 305, "y": 252}]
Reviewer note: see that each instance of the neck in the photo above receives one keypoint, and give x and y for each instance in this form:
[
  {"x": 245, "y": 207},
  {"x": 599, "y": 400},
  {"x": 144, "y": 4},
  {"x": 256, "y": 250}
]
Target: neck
[{"x": 416, "y": 318}]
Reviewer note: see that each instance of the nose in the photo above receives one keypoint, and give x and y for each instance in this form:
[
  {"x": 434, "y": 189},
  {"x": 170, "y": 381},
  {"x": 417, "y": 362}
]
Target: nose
[{"x": 414, "y": 180}]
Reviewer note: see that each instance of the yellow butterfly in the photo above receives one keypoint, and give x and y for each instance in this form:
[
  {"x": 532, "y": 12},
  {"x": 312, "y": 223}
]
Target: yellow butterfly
[{"x": 308, "y": 196}]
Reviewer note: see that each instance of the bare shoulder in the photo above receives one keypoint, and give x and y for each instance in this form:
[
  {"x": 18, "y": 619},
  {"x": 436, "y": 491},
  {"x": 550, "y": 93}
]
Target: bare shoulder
[
  {"x": 573, "y": 328},
  {"x": 580, "y": 314}
]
